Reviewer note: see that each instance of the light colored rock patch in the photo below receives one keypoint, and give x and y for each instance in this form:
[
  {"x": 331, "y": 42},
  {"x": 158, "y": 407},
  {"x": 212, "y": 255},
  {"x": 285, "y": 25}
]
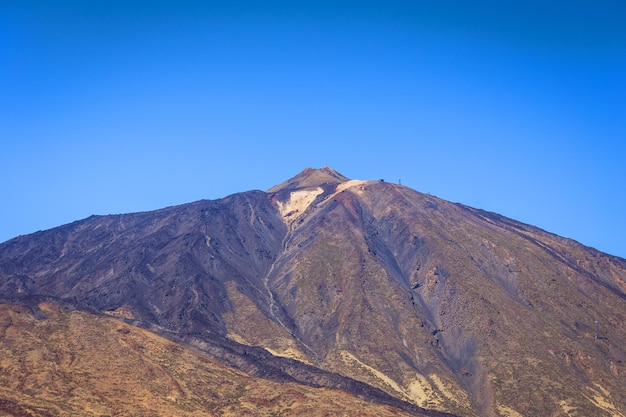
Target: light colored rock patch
[
  {"x": 425, "y": 391},
  {"x": 354, "y": 186},
  {"x": 237, "y": 338},
  {"x": 349, "y": 358},
  {"x": 418, "y": 390},
  {"x": 566, "y": 407},
  {"x": 454, "y": 395},
  {"x": 297, "y": 203},
  {"x": 350, "y": 184},
  {"x": 601, "y": 400},
  {"x": 290, "y": 353},
  {"x": 300, "y": 200},
  {"x": 505, "y": 411},
  {"x": 422, "y": 392},
  {"x": 122, "y": 312}
]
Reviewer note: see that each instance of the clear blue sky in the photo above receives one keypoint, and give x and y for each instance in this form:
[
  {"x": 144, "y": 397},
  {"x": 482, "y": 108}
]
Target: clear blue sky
[{"x": 122, "y": 106}]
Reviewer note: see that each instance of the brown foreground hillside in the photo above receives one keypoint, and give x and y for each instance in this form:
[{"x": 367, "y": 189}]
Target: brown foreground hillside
[{"x": 72, "y": 363}]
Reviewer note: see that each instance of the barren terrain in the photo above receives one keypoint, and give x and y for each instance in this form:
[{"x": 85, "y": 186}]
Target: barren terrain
[{"x": 353, "y": 289}]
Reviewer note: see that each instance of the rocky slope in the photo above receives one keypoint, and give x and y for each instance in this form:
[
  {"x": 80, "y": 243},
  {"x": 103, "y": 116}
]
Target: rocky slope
[
  {"x": 400, "y": 297},
  {"x": 71, "y": 363}
]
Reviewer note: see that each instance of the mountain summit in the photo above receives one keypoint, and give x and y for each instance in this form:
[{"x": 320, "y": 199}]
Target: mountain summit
[
  {"x": 311, "y": 177},
  {"x": 401, "y": 298}
]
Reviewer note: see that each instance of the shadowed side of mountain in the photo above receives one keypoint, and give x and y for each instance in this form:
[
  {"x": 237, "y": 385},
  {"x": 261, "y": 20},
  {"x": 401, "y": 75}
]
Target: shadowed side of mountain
[{"x": 167, "y": 267}]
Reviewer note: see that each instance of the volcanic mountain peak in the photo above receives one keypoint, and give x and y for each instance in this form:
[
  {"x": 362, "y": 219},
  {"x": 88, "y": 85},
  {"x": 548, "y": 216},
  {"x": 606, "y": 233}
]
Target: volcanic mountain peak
[
  {"x": 401, "y": 298},
  {"x": 311, "y": 177},
  {"x": 294, "y": 196}
]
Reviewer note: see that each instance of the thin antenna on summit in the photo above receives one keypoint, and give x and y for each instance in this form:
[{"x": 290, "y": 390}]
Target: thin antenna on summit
[{"x": 400, "y": 181}]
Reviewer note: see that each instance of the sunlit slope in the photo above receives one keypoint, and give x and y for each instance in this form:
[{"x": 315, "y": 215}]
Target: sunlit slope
[{"x": 71, "y": 363}]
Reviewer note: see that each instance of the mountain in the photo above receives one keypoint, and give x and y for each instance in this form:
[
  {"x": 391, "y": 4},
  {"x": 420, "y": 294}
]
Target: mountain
[{"x": 400, "y": 298}]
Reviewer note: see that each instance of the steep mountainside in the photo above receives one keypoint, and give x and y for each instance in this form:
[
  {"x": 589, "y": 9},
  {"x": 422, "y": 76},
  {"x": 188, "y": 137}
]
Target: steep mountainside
[{"x": 400, "y": 297}]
